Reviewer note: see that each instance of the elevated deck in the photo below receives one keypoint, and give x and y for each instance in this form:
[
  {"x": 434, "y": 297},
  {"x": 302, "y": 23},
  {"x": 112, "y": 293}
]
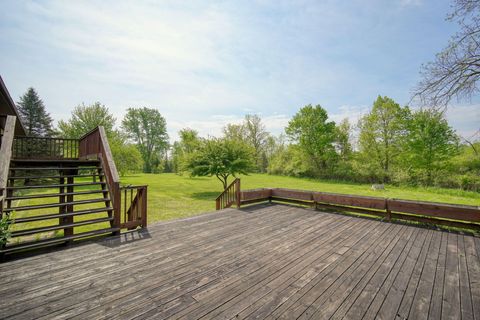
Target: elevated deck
[{"x": 260, "y": 262}]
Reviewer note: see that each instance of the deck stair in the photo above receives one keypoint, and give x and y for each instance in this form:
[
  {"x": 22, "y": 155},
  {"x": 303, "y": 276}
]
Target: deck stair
[{"x": 57, "y": 196}]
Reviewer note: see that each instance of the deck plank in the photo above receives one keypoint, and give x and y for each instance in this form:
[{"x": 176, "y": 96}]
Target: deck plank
[
  {"x": 261, "y": 262},
  {"x": 473, "y": 266},
  {"x": 451, "y": 290},
  {"x": 421, "y": 301},
  {"x": 399, "y": 298}
]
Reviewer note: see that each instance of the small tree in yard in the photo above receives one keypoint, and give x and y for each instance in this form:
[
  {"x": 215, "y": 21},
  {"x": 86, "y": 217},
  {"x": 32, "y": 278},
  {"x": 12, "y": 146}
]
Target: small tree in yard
[{"x": 221, "y": 158}]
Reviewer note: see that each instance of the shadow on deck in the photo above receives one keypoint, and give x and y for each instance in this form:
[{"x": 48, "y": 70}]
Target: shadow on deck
[{"x": 265, "y": 261}]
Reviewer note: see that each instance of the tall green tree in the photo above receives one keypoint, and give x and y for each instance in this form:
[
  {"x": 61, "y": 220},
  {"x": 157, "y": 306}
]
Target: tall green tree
[
  {"x": 257, "y": 137},
  {"x": 35, "y": 118},
  {"x": 315, "y": 135},
  {"x": 221, "y": 158},
  {"x": 85, "y": 118},
  {"x": 148, "y": 129},
  {"x": 382, "y": 132},
  {"x": 343, "y": 139},
  {"x": 233, "y": 131},
  {"x": 430, "y": 142},
  {"x": 189, "y": 143}
]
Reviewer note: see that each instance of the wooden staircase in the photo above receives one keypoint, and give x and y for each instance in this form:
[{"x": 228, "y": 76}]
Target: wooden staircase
[
  {"x": 75, "y": 189},
  {"x": 55, "y": 190}
]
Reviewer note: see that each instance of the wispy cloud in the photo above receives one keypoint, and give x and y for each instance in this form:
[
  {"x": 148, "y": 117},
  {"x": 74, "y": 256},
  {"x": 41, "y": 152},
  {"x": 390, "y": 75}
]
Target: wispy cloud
[{"x": 195, "y": 60}]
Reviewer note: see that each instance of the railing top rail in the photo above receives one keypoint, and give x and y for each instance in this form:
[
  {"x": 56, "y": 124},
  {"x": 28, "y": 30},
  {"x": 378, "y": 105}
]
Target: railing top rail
[
  {"x": 133, "y": 186},
  {"x": 368, "y": 197},
  {"x": 45, "y": 138},
  {"x": 89, "y": 133}
]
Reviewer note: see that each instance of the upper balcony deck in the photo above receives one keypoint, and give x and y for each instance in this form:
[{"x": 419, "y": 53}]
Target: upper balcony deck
[{"x": 265, "y": 261}]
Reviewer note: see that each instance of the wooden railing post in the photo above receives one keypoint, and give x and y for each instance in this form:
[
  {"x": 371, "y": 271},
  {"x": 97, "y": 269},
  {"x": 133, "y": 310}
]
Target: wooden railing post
[
  {"x": 6, "y": 150},
  {"x": 117, "y": 205},
  {"x": 388, "y": 211},
  {"x": 144, "y": 206},
  {"x": 238, "y": 193}
]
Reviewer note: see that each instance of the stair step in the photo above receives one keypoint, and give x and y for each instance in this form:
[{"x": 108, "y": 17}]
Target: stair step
[
  {"x": 55, "y": 177},
  {"x": 57, "y": 185},
  {"x": 51, "y": 195},
  {"x": 53, "y": 168},
  {"x": 62, "y": 215},
  {"x": 27, "y": 232},
  {"x": 47, "y": 242},
  {"x": 53, "y": 205}
]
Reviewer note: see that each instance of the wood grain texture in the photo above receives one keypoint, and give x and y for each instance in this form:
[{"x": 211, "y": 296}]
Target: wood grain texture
[{"x": 262, "y": 262}]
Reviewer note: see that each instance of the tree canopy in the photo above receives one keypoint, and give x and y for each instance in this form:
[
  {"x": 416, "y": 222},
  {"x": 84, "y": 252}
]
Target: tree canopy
[
  {"x": 85, "y": 118},
  {"x": 34, "y": 117},
  {"x": 381, "y": 134},
  {"x": 221, "y": 158},
  {"x": 455, "y": 72},
  {"x": 148, "y": 129},
  {"x": 315, "y": 135},
  {"x": 183, "y": 149},
  {"x": 430, "y": 143}
]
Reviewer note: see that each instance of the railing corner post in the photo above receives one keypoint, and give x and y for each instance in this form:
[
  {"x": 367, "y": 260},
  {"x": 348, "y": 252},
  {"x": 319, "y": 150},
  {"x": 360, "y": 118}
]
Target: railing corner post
[
  {"x": 145, "y": 204},
  {"x": 238, "y": 194}
]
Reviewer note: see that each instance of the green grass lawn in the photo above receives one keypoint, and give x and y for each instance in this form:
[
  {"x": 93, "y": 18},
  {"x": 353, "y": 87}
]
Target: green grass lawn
[{"x": 172, "y": 196}]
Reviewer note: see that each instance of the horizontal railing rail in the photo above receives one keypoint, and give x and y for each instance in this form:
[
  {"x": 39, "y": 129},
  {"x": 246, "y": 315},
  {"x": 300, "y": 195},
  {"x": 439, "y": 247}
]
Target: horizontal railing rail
[
  {"x": 45, "y": 148},
  {"x": 133, "y": 206},
  {"x": 460, "y": 216},
  {"x": 229, "y": 196}
]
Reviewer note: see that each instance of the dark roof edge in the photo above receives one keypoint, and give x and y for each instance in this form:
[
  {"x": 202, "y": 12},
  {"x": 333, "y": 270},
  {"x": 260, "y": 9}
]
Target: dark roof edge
[{"x": 6, "y": 94}]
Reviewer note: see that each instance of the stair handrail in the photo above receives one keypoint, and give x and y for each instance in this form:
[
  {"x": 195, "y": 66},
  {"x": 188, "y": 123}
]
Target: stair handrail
[
  {"x": 6, "y": 155},
  {"x": 95, "y": 144},
  {"x": 231, "y": 195}
]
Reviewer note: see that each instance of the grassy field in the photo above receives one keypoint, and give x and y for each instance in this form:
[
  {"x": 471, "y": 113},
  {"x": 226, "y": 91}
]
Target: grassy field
[{"x": 172, "y": 196}]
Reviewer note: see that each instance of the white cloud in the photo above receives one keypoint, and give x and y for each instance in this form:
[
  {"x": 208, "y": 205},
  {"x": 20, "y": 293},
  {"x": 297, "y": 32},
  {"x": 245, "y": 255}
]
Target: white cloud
[
  {"x": 352, "y": 113},
  {"x": 464, "y": 118},
  {"x": 410, "y": 3}
]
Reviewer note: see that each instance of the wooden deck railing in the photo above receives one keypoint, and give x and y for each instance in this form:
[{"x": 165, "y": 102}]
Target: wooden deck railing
[
  {"x": 95, "y": 145},
  {"x": 44, "y": 148},
  {"x": 129, "y": 202},
  {"x": 229, "y": 196},
  {"x": 134, "y": 206},
  {"x": 461, "y": 216},
  {"x": 6, "y": 142}
]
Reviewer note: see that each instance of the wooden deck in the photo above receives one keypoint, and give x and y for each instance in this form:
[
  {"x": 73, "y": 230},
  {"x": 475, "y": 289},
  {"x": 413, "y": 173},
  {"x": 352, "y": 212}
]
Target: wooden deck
[{"x": 263, "y": 262}]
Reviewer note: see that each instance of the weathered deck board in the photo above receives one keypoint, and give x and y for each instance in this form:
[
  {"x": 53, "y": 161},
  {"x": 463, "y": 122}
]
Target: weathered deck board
[{"x": 266, "y": 261}]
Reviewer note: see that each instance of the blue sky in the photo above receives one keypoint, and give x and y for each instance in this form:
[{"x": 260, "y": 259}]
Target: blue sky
[{"x": 205, "y": 63}]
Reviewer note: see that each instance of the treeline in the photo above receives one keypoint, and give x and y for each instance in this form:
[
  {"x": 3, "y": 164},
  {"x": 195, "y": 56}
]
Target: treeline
[
  {"x": 140, "y": 143},
  {"x": 389, "y": 144}
]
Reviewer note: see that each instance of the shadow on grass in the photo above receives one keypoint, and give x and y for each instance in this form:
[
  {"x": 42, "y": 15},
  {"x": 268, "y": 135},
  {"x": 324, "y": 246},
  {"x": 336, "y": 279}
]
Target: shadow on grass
[{"x": 208, "y": 195}]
